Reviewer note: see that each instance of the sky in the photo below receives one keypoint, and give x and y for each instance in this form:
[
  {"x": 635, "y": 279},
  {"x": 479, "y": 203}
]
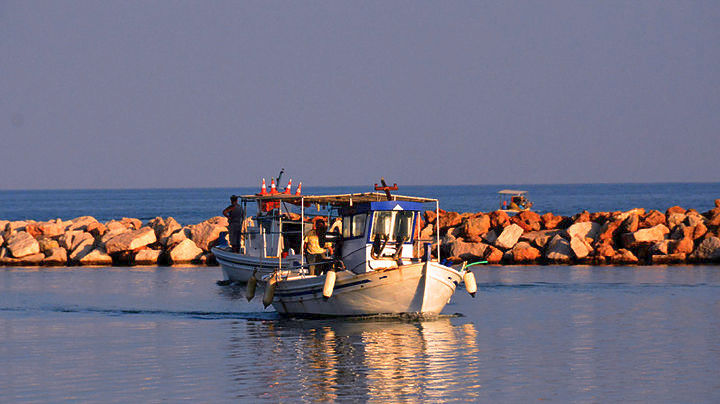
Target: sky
[{"x": 167, "y": 94}]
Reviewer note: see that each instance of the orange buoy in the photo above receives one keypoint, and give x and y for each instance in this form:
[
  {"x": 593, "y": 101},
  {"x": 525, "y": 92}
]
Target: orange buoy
[
  {"x": 263, "y": 188},
  {"x": 299, "y": 189}
]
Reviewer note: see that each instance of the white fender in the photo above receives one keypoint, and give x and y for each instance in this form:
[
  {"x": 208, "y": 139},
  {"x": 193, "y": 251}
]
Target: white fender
[
  {"x": 470, "y": 284},
  {"x": 252, "y": 284},
  {"x": 330, "y": 277},
  {"x": 269, "y": 292}
]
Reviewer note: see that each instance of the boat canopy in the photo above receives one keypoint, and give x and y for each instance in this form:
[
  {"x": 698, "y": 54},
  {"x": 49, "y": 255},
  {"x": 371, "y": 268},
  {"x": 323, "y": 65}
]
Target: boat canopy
[
  {"x": 511, "y": 192},
  {"x": 336, "y": 200}
]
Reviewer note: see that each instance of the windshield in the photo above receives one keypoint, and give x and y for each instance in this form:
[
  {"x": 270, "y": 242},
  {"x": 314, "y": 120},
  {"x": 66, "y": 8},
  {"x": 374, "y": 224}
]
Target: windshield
[{"x": 393, "y": 224}]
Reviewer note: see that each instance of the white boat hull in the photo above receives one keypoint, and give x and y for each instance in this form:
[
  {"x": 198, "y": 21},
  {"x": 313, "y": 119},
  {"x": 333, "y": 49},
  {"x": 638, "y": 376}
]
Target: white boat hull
[
  {"x": 422, "y": 288},
  {"x": 239, "y": 267}
]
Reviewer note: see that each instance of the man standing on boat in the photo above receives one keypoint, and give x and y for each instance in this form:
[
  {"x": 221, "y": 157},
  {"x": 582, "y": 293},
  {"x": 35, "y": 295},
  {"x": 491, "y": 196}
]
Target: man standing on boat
[
  {"x": 316, "y": 253},
  {"x": 235, "y": 215}
]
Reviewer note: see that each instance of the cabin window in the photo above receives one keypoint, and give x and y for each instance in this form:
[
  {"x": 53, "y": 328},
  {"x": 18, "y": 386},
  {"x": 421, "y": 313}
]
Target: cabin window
[
  {"x": 354, "y": 226},
  {"x": 394, "y": 224}
]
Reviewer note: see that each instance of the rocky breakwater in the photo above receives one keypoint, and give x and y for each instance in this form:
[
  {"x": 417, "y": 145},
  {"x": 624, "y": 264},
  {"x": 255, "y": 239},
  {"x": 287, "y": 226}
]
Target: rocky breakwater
[
  {"x": 128, "y": 241},
  {"x": 634, "y": 237}
]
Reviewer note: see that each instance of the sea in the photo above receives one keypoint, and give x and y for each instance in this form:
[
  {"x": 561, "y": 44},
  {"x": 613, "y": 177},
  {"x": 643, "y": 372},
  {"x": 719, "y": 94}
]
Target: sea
[{"x": 531, "y": 333}]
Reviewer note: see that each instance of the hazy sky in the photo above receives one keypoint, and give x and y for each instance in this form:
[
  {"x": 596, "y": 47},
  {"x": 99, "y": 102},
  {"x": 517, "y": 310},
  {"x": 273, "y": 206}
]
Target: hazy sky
[{"x": 126, "y": 94}]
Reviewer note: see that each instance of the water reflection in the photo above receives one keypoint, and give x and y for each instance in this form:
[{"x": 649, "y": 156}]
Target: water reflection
[{"x": 370, "y": 360}]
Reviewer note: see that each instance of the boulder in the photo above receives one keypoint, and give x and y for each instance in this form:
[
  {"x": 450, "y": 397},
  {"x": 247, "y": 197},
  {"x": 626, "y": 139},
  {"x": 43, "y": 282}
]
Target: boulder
[
  {"x": 558, "y": 250},
  {"x": 51, "y": 229},
  {"x": 681, "y": 231},
  {"x": 66, "y": 240},
  {"x": 131, "y": 223},
  {"x": 673, "y": 210},
  {"x": 490, "y": 236},
  {"x": 529, "y": 221},
  {"x": 653, "y": 218},
  {"x": 508, "y": 237},
  {"x": 683, "y": 246},
  {"x": 130, "y": 240},
  {"x": 430, "y": 216},
  {"x": 186, "y": 251},
  {"x": 679, "y": 258},
  {"x": 47, "y": 244},
  {"x": 604, "y": 250},
  {"x": 109, "y": 235},
  {"x": 608, "y": 230},
  {"x": 475, "y": 226},
  {"x": 580, "y": 247},
  {"x": 81, "y": 238},
  {"x": 699, "y": 231},
  {"x": 55, "y": 256},
  {"x": 630, "y": 224},
  {"x": 147, "y": 256},
  {"x": 624, "y": 257},
  {"x": 97, "y": 229},
  {"x": 493, "y": 255},
  {"x": 426, "y": 233},
  {"x": 651, "y": 235},
  {"x": 157, "y": 225},
  {"x": 550, "y": 221},
  {"x": 717, "y": 203},
  {"x": 177, "y": 237},
  {"x": 81, "y": 223},
  {"x": 639, "y": 212},
  {"x": 581, "y": 217},
  {"x": 82, "y": 248},
  {"x": 583, "y": 230},
  {"x": 694, "y": 219},
  {"x": 523, "y": 252},
  {"x": 449, "y": 219},
  {"x": 499, "y": 219},
  {"x": 708, "y": 250},
  {"x": 714, "y": 220},
  {"x": 539, "y": 238},
  {"x": 33, "y": 230},
  {"x": 22, "y": 244},
  {"x": 206, "y": 234},
  {"x": 170, "y": 226},
  {"x": 467, "y": 251},
  {"x": 115, "y": 226},
  {"x": 32, "y": 259},
  {"x": 675, "y": 219},
  {"x": 98, "y": 256},
  {"x": 660, "y": 247}
]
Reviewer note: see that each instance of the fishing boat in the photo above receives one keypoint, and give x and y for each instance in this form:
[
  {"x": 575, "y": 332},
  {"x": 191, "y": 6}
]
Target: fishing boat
[
  {"x": 513, "y": 201},
  {"x": 378, "y": 266}
]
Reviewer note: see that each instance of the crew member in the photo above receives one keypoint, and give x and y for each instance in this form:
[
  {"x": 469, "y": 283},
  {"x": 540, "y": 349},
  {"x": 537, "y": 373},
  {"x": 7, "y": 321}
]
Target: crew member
[
  {"x": 314, "y": 242},
  {"x": 235, "y": 215}
]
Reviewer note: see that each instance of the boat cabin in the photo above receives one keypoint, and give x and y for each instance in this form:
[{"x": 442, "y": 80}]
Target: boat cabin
[
  {"x": 513, "y": 200},
  {"x": 366, "y": 231}
]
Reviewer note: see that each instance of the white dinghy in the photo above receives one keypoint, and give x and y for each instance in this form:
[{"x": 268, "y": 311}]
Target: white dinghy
[{"x": 380, "y": 265}]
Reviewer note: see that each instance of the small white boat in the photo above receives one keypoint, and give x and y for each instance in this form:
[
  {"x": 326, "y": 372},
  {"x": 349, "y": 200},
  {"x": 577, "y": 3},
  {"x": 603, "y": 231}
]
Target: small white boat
[{"x": 380, "y": 265}]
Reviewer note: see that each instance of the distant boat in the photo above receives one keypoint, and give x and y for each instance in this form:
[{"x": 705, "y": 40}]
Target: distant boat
[
  {"x": 512, "y": 200},
  {"x": 379, "y": 266}
]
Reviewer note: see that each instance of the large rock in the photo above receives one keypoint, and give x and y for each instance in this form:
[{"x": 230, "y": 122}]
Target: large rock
[
  {"x": 131, "y": 223},
  {"x": 130, "y": 240},
  {"x": 426, "y": 233},
  {"x": 651, "y": 235},
  {"x": 97, "y": 229},
  {"x": 493, "y": 255},
  {"x": 170, "y": 226},
  {"x": 630, "y": 224},
  {"x": 475, "y": 226},
  {"x": 660, "y": 247},
  {"x": 81, "y": 223},
  {"x": 206, "y": 234},
  {"x": 186, "y": 251},
  {"x": 624, "y": 257},
  {"x": 580, "y": 247},
  {"x": 558, "y": 250},
  {"x": 694, "y": 219},
  {"x": 608, "y": 230},
  {"x": 81, "y": 238},
  {"x": 673, "y": 210},
  {"x": 674, "y": 219},
  {"x": 467, "y": 251},
  {"x": 22, "y": 244},
  {"x": 82, "y": 248},
  {"x": 177, "y": 237},
  {"x": 653, "y": 218},
  {"x": 529, "y": 221},
  {"x": 550, "y": 221},
  {"x": 583, "y": 230},
  {"x": 147, "y": 256},
  {"x": 509, "y": 236},
  {"x": 523, "y": 252},
  {"x": 448, "y": 219},
  {"x": 55, "y": 256},
  {"x": 114, "y": 226},
  {"x": 583, "y": 216},
  {"x": 708, "y": 250},
  {"x": 98, "y": 256},
  {"x": 499, "y": 219},
  {"x": 539, "y": 238},
  {"x": 683, "y": 246},
  {"x": 604, "y": 250}
]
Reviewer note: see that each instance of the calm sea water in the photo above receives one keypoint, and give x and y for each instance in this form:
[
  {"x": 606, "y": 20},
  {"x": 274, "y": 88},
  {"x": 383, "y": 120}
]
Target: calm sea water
[
  {"x": 563, "y": 334},
  {"x": 190, "y": 206}
]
